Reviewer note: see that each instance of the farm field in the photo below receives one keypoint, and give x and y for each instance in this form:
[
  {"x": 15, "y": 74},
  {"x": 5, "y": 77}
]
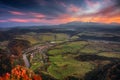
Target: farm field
[
  {"x": 78, "y": 58},
  {"x": 62, "y": 54}
]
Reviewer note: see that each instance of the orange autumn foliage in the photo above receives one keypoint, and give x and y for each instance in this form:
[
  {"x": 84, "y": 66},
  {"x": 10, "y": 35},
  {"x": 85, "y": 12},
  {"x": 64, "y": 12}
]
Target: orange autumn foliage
[
  {"x": 5, "y": 77},
  {"x": 20, "y": 73}
]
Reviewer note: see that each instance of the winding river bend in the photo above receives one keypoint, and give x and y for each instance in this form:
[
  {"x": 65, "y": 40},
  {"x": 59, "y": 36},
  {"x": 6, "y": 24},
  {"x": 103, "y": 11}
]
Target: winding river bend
[
  {"x": 34, "y": 50},
  {"x": 27, "y": 64}
]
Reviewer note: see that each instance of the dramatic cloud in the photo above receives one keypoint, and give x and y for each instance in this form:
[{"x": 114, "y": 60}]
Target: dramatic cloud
[
  {"x": 58, "y": 11},
  {"x": 16, "y": 13}
]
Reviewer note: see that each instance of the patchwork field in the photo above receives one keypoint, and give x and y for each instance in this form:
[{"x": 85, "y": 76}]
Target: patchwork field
[{"x": 64, "y": 62}]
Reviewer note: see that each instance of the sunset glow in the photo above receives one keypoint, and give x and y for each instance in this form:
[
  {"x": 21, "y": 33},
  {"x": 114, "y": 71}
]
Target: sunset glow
[{"x": 60, "y": 11}]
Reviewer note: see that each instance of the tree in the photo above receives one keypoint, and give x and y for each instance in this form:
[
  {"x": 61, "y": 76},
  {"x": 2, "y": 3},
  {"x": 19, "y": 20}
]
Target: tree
[
  {"x": 16, "y": 46},
  {"x": 20, "y": 73}
]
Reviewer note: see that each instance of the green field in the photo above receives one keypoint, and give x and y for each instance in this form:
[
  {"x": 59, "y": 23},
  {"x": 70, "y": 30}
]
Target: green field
[
  {"x": 63, "y": 62},
  {"x": 73, "y": 47},
  {"x": 63, "y": 66},
  {"x": 110, "y": 54},
  {"x": 35, "y": 38}
]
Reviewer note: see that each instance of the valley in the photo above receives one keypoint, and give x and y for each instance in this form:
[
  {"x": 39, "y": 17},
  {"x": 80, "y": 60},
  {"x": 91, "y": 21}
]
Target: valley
[
  {"x": 65, "y": 54},
  {"x": 59, "y": 39}
]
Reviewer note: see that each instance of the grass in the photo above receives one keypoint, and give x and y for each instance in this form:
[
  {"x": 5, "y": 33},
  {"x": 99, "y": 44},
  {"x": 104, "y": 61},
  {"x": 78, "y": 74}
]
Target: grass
[
  {"x": 57, "y": 58},
  {"x": 47, "y": 37},
  {"x": 110, "y": 54},
  {"x": 63, "y": 63},
  {"x": 88, "y": 51},
  {"x": 61, "y": 36},
  {"x": 55, "y": 52},
  {"x": 62, "y": 67},
  {"x": 72, "y": 47},
  {"x": 29, "y": 38},
  {"x": 36, "y": 66}
]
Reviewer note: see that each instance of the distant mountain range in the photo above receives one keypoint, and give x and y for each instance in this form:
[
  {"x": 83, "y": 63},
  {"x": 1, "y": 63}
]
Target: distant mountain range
[
  {"x": 74, "y": 24},
  {"x": 88, "y": 24}
]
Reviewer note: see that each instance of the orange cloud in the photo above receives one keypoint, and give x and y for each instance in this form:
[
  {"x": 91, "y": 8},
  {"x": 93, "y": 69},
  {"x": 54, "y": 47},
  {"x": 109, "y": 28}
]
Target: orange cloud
[
  {"x": 90, "y": 18},
  {"x": 112, "y": 19},
  {"x": 100, "y": 19},
  {"x": 64, "y": 18}
]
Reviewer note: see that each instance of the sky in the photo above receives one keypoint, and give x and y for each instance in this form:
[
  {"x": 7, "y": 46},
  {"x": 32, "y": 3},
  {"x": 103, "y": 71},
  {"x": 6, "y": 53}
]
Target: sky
[{"x": 54, "y": 12}]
